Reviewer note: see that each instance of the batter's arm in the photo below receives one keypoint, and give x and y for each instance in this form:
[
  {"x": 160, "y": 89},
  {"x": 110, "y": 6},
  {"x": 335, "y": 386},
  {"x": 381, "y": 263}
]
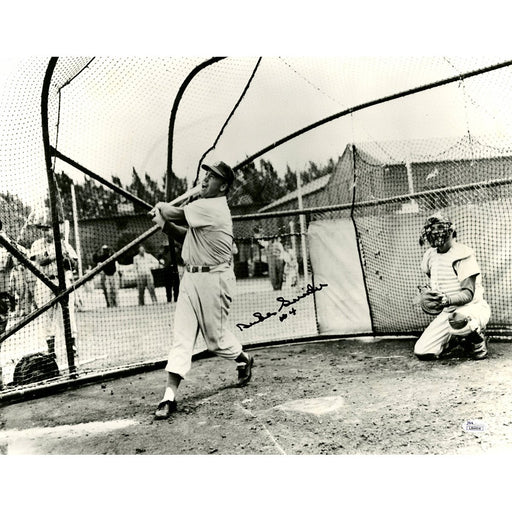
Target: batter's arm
[
  {"x": 174, "y": 231},
  {"x": 171, "y": 213}
]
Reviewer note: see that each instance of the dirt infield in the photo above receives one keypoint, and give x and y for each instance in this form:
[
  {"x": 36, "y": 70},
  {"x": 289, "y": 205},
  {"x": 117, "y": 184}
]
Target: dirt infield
[{"x": 338, "y": 397}]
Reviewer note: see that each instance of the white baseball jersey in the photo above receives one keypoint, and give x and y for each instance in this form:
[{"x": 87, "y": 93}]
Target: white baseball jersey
[
  {"x": 145, "y": 263},
  {"x": 447, "y": 270},
  {"x": 209, "y": 239}
]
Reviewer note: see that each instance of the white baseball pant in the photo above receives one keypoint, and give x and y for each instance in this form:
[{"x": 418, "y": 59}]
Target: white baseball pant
[
  {"x": 203, "y": 306},
  {"x": 53, "y": 323},
  {"x": 437, "y": 335}
]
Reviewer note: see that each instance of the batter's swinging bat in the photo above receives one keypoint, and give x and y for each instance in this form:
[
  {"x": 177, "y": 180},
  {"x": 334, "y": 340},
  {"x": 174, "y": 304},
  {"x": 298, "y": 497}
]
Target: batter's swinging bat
[{"x": 189, "y": 194}]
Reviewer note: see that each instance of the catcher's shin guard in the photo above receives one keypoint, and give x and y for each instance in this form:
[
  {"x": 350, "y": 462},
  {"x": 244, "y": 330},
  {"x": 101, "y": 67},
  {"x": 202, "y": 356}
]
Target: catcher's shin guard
[
  {"x": 476, "y": 345},
  {"x": 456, "y": 347}
]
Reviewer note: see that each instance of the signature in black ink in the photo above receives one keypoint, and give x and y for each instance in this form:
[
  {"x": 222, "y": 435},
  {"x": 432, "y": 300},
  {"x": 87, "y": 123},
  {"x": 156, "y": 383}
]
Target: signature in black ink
[
  {"x": 309, "y": 290},
  {"x": 260, "y": 317},
  {"x": 284, "y": 316}
]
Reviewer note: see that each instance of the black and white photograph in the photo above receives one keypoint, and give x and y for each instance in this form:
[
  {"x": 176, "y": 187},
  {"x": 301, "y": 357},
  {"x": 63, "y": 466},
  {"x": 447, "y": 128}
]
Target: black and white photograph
[{"x": 263, "y": 254}]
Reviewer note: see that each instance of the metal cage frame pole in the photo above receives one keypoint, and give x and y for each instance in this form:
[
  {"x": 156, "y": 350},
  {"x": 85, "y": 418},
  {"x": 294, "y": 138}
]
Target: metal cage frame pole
[
  {"x": 76, "y": 232},
  {"x": 169, "y": 172},
  {"x": 95, "y": 176},
  {"x": 307, "y": 222},
  {"x": 372, "y": 103},
  {"x": 358, "y": 238},
  {"x": 52, "y": 191},
  {"x": 302, "y": 228}
]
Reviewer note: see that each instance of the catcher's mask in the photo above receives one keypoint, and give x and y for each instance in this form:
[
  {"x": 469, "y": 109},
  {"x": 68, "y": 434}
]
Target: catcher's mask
[{"x": 436, "y": 231}]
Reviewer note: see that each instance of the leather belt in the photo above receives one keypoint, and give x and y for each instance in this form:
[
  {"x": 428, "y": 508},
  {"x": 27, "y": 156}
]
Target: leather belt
[{"x": 194, "y": 268}]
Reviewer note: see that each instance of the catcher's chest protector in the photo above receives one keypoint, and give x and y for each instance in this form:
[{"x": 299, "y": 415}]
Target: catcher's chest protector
[{"x": 443, "y": 276}]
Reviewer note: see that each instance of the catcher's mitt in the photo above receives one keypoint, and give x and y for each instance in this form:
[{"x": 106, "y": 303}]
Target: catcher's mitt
[{"x": 430, "y": 301}]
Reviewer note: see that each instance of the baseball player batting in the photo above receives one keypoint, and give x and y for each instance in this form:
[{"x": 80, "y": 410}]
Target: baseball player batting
[
  {"x": 455, "y": 295},
  {"x": 207, "y": 287}
]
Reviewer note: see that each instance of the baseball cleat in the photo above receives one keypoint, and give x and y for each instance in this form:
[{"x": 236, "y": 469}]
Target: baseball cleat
[
  {"x": 477, "y": 345},
  {"x": 165, "y": 409},
  {"x": 245, "y": 372}
]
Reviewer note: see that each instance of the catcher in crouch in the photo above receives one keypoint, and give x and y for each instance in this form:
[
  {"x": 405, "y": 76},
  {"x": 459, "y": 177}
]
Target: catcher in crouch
[{"x": 455, "y": 295}]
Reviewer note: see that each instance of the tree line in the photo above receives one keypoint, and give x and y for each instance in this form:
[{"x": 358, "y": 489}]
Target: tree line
[
  {"x": 13, "y": 213},
  {"x": 257, "y": 184},
  {"x": 94, "y": 200}
]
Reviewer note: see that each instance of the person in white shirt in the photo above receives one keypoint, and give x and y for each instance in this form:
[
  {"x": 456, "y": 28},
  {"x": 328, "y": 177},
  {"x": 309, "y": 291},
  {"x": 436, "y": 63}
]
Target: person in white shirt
[
  {"x": 42, "y": 252},
  {"x": 457, "y": 295},
  {"x": 276, "y": 262},
  {"x": 144, "y": 263},
  {"x": 208, "y": 284},
  {"x": 291, "y": 266}
]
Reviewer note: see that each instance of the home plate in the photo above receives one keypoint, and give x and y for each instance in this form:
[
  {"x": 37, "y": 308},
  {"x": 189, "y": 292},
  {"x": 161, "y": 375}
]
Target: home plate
[{"x": 317, "y": 406}]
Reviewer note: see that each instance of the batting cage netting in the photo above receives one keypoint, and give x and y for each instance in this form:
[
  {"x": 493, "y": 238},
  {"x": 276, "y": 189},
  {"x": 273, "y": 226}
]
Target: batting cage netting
[{"x": 338, "y": 163}]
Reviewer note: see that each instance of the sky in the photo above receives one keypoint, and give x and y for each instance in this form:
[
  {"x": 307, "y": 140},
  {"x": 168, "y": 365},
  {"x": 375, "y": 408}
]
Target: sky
[
  {"x": 115, "y": 115},
  {"x": 294, "y": 99}
]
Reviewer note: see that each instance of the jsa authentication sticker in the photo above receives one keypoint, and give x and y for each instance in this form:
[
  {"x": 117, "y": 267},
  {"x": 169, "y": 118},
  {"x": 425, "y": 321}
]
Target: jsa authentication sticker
[{"x": 474, "y": 426}]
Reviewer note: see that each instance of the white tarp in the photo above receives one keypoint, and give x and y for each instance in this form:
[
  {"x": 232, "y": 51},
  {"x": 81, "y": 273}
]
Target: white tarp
[{"x": 341, "y": 306}]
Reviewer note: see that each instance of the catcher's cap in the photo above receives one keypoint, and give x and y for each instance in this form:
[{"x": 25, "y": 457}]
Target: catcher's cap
[{"x": 222, "y": 170}]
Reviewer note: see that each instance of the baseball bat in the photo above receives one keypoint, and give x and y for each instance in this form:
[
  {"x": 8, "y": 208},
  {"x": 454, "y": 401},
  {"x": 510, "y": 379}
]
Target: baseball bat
[{"x": 189, "y": 194}]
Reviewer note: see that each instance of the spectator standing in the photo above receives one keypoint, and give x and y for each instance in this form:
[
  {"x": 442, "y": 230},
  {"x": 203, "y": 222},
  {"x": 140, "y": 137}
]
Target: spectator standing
[
  {"x": 291, "y": 266},
  {"x": 144, "y": 263},
  {"x": 109, "y": 276},
  {"x": 275, "y": 259},
  {"x": 170, "y": 278}
]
